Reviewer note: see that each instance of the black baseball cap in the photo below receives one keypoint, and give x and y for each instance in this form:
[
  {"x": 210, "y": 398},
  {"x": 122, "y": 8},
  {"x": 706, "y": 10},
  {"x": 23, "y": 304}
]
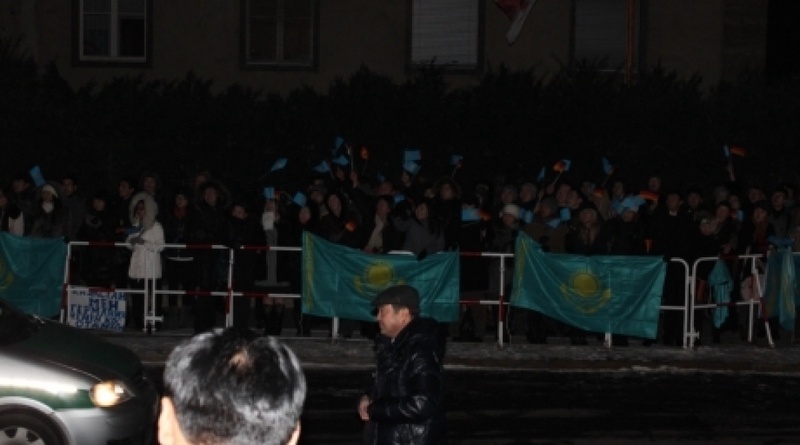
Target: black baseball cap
[{"x": 401, "y": 295}]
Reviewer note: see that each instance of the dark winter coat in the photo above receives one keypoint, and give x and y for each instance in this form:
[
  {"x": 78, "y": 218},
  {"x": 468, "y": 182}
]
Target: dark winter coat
[{"x": 407, "y": 400}]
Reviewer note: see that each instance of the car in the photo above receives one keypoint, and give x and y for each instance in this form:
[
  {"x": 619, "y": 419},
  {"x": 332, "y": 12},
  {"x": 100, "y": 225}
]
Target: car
[{"x": 63, "y": 386}]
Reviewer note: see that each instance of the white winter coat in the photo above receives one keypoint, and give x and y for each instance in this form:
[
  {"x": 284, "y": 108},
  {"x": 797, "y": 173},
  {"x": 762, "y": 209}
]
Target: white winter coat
[{"x": 146, "y": 257}]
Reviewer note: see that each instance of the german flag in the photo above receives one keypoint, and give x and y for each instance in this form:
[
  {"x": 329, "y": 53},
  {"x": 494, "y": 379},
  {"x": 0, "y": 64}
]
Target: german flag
[
  {"x": 738, "y": 151},
  {"x": 649, "y": 195}
]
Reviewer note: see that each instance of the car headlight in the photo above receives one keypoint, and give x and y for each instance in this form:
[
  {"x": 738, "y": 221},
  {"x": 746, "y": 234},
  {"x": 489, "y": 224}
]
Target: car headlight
[{"x": 109, "y": 393}]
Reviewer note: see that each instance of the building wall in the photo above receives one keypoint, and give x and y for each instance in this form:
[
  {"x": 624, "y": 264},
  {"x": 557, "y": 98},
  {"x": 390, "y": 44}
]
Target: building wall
[{"x": 710, "y": 37}]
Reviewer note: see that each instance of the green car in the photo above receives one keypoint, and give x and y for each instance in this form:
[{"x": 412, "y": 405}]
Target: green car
[{"x": 63, "y": 386}]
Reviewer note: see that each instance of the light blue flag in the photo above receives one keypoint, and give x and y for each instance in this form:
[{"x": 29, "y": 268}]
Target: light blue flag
[
  {"x": 299, "y": 199},
  {"x": 412, "y": 154},
  {"x": 781, "y": 296},
  {"x": 470, "y": 214},
  {"x": 322, "y": 167},
  {"x": 340, "y": 281},
  {"x": 337, "y": 143},
  {"x": 32, "y": 273},
  {"x": 341, "y": 160},
  {"x": 721, "y": 284},
  {"x": 617, "y": 294},
  {"x": 456, "y": 159},
  {"x": 278, "y": 165},
  {"x": 608, "y": 168},
  {"x": 36, "y": 175},
  {"x": 540, "y": 177},
  {"x": 269, "y": 192},
  {"x": 411, "y": 167}
]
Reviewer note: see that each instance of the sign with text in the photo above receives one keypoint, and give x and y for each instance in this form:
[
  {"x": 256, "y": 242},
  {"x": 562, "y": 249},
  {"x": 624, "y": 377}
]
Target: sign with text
[{"x": 97, "y": 310}]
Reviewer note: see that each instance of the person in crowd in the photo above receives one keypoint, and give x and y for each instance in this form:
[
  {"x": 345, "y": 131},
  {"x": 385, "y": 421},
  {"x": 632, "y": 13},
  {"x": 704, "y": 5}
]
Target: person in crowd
[
  {"x": 13, "y": 221},
  {"x": 550, "y": 232},
  {"x": 695, "y": 203},
  {"x": 147, "y": 242},
  {"x": 502, "y": 238},
  {"x": 74, "y": 206},
  {"x": 506, "y": 195},
  {"x": 627, "y": 234},
  {"x": 231, "y": 387},
  {"x": 269, "y": 310},
  {"x": 406, "y": 403},
  {"x": 180, "y": 224},
  {"x": 381, "y": 234},
  {"x": 290, "y": 233},
  {"x": 779, "y": 216},
  {"x": 126, "y": 188},
  {"x": 422, "y": 234},
  {"x": 150, "y": 182},
  {"x": 244, "y": 231},
  {"x": 447, "y": 200},
  {"x": 25, "y": 199},
  {"x": 212, "y": 209},
  {"x": 671, "y": 233},
  {"x": 49, "y": 217},
  {"x": 99, "y": 226}
]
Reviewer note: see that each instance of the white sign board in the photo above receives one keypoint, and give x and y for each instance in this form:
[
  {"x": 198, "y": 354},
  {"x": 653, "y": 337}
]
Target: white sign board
[{"x": 96, "y": 310}]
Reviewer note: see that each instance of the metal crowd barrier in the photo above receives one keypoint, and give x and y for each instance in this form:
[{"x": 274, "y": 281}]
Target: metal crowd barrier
[{"x": 690, "y": 334}]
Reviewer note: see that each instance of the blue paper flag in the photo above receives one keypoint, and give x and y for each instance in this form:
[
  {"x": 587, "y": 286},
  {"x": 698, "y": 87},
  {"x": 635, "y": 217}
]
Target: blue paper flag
[
  {"x": 322, "y": 167},
  {"x": 412, "y": 154},
  {"x": 269, "y": 192},
  {"x": 379, "y": 176},
  {"x": 36, "y": 175},
  {"x": 567, "y": 164},
  {"x": 540, "y": 178},
  {"x": 553, "y": 223},
  {"x": 455, "y": 159},
  {"x": 607, "y": 167},
  {"x": 279, "y": 164},
  {"x": 411, "y": 167},
  {"x": 526, "y": 216},
  {"x": 398, "y": 198},
  {"x": 726, "y": 151},
  {"x": 299, "y": 199},
  {"x": 470, "y": 214},
  {"x": 341, "y": 160},
  {"x": 565, "y": 214},
  {"x": 337, "y": 144}
]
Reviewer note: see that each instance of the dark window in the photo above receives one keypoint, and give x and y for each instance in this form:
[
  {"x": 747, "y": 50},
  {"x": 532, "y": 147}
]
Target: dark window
[
  {"x": 445, "y": 33},
  {"x": 601, "y": 33},
  {"x": 280, "y": 33},
  {"x": 115, "y": 31}
]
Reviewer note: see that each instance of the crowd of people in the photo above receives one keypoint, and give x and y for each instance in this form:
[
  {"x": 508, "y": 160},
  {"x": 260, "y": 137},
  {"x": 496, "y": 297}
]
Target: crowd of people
[{"x": 380, "y": 215}]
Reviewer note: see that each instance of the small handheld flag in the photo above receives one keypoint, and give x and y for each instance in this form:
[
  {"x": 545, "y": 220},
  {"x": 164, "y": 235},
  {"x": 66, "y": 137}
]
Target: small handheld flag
[
  {"x": 470, "y": 214},
  {"x": 649, "y": 195},
  {"x": 565, "y": 214},
  {"x": 456, "y": 160},
  {"x": 562, "y": 166},
  {"x": 322, "y": 167},
  {"x": 738, "y": 151},
  {"x": 341, "y": 160},
  {"x": 726, "y": 151},
  {"x": 36, "y": 175},
  {"x": 411, "y": 167},
  {"x": 412, "y": 154},
  {"x": 608, "y": 168},
  {"x": 337, "y": 143},
  {"x": 269, "y": 192},
  {"x": 279, "y": 164},
  {"x": 540, "y": 178},
  {"x": 299, "y": 199}
]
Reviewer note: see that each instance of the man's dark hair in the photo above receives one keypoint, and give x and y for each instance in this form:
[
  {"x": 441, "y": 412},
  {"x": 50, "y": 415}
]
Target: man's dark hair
[{"x": 236, "y": 388}]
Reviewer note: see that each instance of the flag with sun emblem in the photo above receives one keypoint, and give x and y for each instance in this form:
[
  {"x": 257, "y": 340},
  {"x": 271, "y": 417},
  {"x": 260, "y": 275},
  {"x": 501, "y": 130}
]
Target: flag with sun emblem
[
  {"x": 602, "y": 293},
  {"x": 340, "y": 281},
  {"x": 32, "y": 273}
]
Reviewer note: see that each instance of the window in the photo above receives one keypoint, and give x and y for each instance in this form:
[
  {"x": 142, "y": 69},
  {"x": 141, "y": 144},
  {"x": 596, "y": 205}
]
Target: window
[
  {"x": 445, "y": 33},
  {"x": 116, "y": 31},
  {"x": 601, "y": 32},
  {"x": 280, "y": 33}
]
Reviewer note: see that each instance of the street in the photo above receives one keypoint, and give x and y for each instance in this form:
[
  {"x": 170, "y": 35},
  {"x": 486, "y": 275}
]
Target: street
[{"x": 585, "y": 407}]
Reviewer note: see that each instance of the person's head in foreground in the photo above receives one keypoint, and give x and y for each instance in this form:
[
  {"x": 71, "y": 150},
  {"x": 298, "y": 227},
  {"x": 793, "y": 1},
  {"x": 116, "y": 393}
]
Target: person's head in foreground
[
  {"x": 396, "y": 307},
  {"x": 232, "y": 388}
]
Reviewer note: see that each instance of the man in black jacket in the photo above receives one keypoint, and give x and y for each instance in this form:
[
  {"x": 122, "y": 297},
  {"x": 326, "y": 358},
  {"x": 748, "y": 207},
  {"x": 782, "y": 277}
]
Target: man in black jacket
[{"x": 406, "y": 403}]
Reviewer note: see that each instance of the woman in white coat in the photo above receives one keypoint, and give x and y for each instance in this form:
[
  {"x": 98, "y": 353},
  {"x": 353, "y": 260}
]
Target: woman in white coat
[{"x": 146, "y": 241}]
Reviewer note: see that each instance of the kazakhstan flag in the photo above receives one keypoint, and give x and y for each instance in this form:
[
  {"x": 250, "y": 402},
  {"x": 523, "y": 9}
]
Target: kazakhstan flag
[
  {"x": 617, "y": 294},
  {"x": 32, "y": 273},
  {"x": 340, "y": 281}
]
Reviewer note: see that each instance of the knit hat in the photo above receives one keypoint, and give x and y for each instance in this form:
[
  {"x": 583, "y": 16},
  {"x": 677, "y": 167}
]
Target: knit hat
[{"x": 51, "y": 189}]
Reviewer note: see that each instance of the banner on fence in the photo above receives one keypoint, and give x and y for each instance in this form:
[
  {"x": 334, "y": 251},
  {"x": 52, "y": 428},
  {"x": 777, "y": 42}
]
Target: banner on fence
[
  {"x": 617, "y": 294},
  {"x": 781, "y": 293},
  {"x": 96, "y": 310},
  {"x": 340, "y": 281},
  {"x": 32, "y": 273}
]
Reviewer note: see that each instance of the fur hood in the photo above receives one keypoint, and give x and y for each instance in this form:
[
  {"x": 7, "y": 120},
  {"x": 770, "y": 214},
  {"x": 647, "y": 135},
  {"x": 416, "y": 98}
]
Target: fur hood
[{"x": 150, "y": 206}]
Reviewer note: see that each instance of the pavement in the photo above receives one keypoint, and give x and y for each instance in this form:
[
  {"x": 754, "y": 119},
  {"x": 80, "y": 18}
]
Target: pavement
[{"x": 318, "y": 351}]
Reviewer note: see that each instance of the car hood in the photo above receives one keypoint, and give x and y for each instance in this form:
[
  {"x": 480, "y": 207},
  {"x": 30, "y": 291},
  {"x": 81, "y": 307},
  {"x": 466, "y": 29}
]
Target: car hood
[{"x": 73, "y": 348}]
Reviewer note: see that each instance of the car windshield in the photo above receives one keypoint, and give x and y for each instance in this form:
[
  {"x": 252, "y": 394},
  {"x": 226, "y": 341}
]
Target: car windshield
[{"x": 15, "y": 325}]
